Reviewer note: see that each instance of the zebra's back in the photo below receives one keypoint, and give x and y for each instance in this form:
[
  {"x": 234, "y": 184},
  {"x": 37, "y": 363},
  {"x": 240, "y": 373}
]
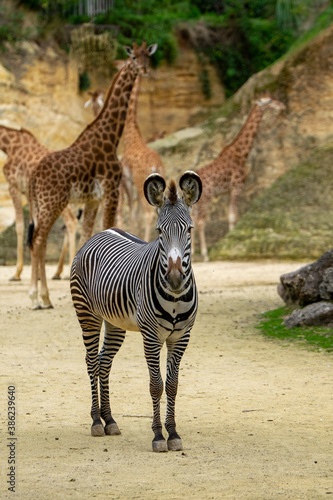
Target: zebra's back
[{"x": 107, "y": 273}]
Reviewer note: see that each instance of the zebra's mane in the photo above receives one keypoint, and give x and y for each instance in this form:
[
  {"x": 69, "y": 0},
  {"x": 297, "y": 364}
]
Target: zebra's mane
[{"x": 172, "y": 193}]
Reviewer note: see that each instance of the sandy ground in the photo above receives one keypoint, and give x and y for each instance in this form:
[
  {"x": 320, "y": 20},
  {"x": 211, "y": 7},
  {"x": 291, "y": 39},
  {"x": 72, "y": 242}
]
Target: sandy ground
[{"x": 255, "y": 415}]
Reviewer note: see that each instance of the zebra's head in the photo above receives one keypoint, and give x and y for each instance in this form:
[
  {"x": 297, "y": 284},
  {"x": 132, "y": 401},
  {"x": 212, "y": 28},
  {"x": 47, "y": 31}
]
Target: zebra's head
[{"x": 174, "y": 225}]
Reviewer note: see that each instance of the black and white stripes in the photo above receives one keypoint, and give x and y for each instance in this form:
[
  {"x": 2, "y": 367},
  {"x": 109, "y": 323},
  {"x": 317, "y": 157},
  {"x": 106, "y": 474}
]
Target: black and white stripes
[{"x": 149, "y": 287}]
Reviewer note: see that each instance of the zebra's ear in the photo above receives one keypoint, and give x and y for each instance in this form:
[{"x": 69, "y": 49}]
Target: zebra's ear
[
  {"x": 152, "y": 49},
  {"x": 153, "y": 188},
  {"x": 191, "y": 185},
  {"x": 128, "y": 50}
]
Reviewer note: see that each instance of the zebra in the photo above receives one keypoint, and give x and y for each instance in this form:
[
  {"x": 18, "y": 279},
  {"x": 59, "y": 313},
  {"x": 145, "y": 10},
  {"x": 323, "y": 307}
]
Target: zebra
[{"x": 148, "y": 287}]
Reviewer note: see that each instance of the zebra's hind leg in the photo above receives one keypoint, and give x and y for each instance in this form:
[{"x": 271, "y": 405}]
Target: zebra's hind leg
[
  {"x": 152, "y": 349},
  {"x": 176, "y": 349},
  {"x": 91, "y": 341},
  {"x": 113, "y": 339}
]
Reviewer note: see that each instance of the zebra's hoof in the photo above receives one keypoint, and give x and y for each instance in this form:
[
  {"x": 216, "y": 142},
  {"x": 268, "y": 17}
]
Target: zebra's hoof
[
  {"x": 56, "y": 277},
  {"x": 175, "y": 444},
  {"x": 112, "y": 429},
  {"x": 160, "y": 446},
  {"x": 97, "y": 430}
]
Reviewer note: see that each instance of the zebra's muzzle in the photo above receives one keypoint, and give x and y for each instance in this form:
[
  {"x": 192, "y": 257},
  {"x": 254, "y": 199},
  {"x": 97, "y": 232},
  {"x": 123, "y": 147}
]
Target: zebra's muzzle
[{"x": 175, "y": 274}]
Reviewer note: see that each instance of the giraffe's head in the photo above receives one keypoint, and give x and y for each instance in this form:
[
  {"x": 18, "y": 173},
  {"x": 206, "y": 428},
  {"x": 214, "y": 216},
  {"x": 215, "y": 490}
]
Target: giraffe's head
[
  {"x": 96, "y": 100},
  {"x": 140, "y": 55},
  {"x": 267, "y": 101}
]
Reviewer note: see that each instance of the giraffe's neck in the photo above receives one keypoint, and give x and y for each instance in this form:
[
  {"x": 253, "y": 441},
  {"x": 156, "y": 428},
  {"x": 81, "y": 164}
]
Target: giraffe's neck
[
  {"x": 133, "y": 104},
  {"x": 243, "y": 142},
  {"x": 7, "y": 135},
  {"x": 108, "y": 125},
  {"x": 12, "y": 138},
  {"x": 132, "y": 132}
]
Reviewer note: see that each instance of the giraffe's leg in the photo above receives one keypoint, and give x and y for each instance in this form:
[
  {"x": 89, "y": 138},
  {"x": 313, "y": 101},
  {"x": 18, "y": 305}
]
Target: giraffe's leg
[
  {"x": 149, "y": 217},
  {"x": 135, "y": 212},
  {"x": 202, "y": 239},
  {"x": 233, "y": 210},
  {"x": 72, "y": 225},
  {"x": 46, "y": 218},
  {"x": 62, "y": 256},
  {"x": 89, "y": 216},
  {"x": 152, "y": 349},
  {"x": 125, "y": 189},
  {"x": 110, "y": 208},
  {"x": 44, "y": 291},
  {"x": 113, "y": 340},
  {"x": 176, "y": 349},
  {"x": 69, "y": 240},
  {"x": 38, "y": 269},
  {"x": 120, "y": 215},
  {"x": 19, "y": 228},
  {"x": 33, "y": 292}
]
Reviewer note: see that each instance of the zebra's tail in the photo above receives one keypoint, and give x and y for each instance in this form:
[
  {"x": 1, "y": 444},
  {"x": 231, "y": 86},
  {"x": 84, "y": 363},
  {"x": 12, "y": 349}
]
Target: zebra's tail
[
  {"x": 30, "y": 235},
  {"x": 33, "y": 208}
]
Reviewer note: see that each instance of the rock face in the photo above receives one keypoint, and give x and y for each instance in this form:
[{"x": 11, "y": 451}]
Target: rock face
[
  {"x": 311, "y": 288},
  {"x": 173, "y": 97}
]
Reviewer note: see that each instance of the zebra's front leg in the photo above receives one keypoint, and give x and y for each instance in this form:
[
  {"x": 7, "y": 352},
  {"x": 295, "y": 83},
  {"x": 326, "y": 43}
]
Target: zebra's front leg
[
  {"x": 176, "y": 349},
  {"x": 152, "y": 349},
  {"x": 113, "y": 340}
]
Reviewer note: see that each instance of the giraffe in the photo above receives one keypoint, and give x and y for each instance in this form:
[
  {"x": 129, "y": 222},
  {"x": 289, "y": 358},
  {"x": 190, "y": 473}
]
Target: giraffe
[
  {"x": 23, "y": 154},
  {"x": 228, "y": 172},
  {"x": 96, "y": 101},
  {"x": 138, "y": 162},
  {"x": 86, "y": 172}
]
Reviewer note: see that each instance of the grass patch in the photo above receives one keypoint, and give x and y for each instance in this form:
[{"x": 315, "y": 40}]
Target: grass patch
[
  {"x": 318, "y": 337},
  {"x": 292, "y": 219}
]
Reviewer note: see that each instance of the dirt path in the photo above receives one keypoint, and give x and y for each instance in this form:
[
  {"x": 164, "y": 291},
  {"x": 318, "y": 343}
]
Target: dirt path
[{"x": 255, "y": 416}]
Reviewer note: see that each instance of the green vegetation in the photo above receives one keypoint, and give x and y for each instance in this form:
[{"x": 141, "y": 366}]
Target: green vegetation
[
  {"x": 290, "y": 220},
  {"x": 323, "y": 21},
  {"x": 271, "y": 325},
  {"x": 12, "y": 29},
  {"x": 239, "y": 38},
  {"x": 151, "y": 21}
]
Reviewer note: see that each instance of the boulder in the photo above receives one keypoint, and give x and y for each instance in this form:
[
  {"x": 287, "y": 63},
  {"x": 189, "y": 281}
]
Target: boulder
[
  {"x": 326, "y": 286},
  {"x": 310, "y": 287},
  {"x": 310, "y": 283},
  {"x": 319, "y": 313}
]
